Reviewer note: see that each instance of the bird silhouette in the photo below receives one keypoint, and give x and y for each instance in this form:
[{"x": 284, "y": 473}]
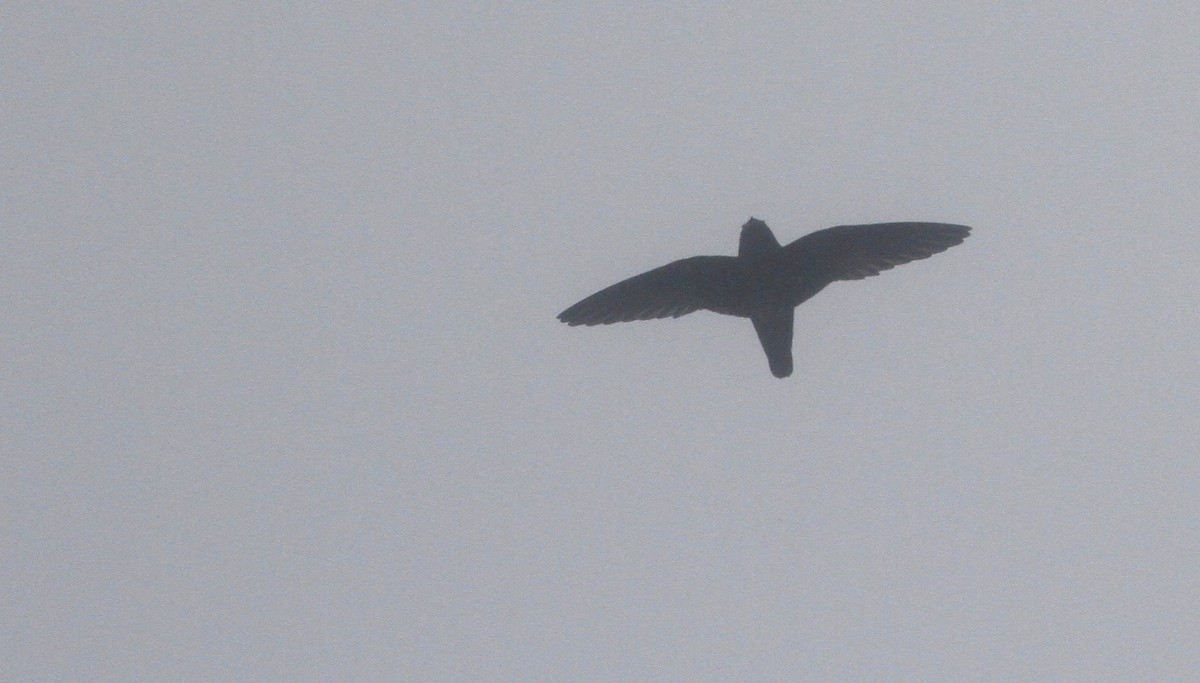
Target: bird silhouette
[{"x": 765, "y": 281}]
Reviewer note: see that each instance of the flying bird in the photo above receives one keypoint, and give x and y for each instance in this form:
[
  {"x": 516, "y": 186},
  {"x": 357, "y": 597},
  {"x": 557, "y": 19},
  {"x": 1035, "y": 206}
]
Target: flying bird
[{"x": 766, "y": 281}]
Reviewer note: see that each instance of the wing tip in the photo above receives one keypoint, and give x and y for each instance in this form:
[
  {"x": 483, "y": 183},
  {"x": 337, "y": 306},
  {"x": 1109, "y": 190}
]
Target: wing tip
[
  {"x": 959, "y": 231},
  {"x": 573, "y": 317}
]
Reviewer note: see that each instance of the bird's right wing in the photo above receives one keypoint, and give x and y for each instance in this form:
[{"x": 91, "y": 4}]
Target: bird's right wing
[
  {"x": 672, "y": 290},
  {"x": 852, "y": 252}
]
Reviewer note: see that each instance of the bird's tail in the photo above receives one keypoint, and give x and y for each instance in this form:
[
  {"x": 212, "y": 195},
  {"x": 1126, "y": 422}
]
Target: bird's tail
[{"x": 775, "y": 333}]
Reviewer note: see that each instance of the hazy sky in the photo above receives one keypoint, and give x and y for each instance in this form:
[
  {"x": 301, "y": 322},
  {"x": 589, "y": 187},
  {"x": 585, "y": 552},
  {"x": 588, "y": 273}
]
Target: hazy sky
[{"x": 284, "y": 396}]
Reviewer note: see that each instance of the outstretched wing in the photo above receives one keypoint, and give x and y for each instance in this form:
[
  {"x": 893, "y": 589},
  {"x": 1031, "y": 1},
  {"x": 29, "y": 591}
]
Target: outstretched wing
[
  {"x": 853, "y": 252},
  {"x": 672, "y": 290}
]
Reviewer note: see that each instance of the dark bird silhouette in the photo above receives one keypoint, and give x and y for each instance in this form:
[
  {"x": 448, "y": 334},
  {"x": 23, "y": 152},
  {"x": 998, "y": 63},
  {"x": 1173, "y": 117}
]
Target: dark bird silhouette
[{"x": 765, "y": 281}]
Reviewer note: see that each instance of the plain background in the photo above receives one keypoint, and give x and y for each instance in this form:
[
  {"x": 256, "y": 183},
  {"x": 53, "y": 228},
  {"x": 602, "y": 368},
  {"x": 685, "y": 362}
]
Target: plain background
[{"x": 284, "y": 397}]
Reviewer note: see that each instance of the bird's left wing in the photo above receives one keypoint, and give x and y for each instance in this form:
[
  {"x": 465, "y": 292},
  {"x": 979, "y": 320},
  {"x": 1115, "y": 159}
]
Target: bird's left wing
[
  {"x": 669, "y": 291},
  {"x": 852, "y": 252}
]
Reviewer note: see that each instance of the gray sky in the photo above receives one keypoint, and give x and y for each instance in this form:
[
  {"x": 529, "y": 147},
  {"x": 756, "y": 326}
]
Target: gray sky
[{"x": 285, "y": 398}]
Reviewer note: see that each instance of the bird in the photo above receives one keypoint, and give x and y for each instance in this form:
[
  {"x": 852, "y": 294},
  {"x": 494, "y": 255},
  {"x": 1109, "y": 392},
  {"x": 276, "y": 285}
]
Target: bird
[{"x": 766, "y": 281}]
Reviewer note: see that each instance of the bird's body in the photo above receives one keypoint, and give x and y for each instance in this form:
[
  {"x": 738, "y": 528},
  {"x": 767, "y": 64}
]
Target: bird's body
[{"x": 765, "y": 281}]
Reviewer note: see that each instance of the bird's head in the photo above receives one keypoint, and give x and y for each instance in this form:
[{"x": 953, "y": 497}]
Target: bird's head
[{"x": 757, "y": 239}]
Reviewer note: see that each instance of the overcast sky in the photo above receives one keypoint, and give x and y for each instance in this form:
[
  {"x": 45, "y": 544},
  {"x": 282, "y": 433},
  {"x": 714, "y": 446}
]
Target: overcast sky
[{"x": 284, "y": 396}]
